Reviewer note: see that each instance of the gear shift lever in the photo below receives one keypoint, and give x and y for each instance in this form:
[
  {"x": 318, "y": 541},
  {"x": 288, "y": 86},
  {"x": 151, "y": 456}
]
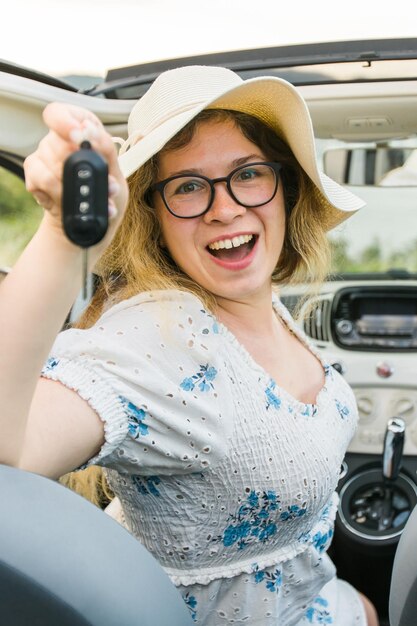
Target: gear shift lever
[
  {"x": 393, "y": 448},
  {"x": 384, "y": 506}
]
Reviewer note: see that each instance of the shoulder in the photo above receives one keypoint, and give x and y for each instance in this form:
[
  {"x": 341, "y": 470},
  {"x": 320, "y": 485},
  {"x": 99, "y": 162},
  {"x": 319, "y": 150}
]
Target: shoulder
[
  {"x": 168, "y": 321},
  {"x": 165, "y": 317},
  {"x": 159, "y": 312},
  {"x": 168, "y": 330}
]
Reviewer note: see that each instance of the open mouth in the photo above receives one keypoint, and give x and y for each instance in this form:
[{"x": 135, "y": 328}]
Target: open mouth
[{"x": 234, "y": 249}]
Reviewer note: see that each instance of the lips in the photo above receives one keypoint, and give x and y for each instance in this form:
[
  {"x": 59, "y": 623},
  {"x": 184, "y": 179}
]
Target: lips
[
  {"x": 232, "y": 249},
  {"x": 233, "y": 253}
]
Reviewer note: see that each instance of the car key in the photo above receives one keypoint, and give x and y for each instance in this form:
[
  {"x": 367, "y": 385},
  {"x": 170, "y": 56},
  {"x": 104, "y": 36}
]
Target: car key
[{"x": 85, "y": 202}]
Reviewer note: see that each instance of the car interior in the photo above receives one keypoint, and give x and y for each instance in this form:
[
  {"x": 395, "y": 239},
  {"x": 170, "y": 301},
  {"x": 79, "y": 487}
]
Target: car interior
[{"x": 362, "y": 96}]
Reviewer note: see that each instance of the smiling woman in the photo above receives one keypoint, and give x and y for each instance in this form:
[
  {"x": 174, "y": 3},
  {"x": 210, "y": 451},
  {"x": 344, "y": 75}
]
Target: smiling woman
[{"x": 220, "y": 427}]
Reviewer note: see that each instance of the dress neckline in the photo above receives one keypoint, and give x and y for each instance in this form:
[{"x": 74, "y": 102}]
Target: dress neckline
[{"x": 307, "y": 408}]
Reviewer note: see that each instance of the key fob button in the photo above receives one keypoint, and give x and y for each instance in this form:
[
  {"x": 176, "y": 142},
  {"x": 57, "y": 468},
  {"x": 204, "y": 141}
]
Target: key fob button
[{"x": 84, "y": 173}]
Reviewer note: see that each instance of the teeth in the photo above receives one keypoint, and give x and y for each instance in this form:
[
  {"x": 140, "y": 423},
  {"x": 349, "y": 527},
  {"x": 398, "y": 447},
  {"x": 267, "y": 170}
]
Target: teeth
[{"x": 230, "y": 243}]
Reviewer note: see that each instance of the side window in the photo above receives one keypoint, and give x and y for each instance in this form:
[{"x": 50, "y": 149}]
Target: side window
[{"x": 19, "y": 218}]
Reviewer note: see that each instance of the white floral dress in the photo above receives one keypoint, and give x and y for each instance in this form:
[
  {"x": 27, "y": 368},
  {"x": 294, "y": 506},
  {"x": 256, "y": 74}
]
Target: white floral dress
[{"x": 224, "y": 477}]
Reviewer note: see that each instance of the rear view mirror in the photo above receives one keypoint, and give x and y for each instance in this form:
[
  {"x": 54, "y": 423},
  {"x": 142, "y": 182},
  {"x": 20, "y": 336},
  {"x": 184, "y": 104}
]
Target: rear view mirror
[{"x": 374, "y": 166}]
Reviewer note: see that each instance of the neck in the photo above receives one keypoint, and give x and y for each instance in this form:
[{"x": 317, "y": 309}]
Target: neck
[{"x": 254, "y": 315}]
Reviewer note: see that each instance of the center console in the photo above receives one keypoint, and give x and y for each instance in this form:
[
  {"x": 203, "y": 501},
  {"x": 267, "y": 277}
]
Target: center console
[{"x": 377, "y": 496}]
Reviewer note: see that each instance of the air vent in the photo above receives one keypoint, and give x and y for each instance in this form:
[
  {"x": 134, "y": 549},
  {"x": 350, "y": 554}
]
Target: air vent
[{"x": 317, "y": 322}]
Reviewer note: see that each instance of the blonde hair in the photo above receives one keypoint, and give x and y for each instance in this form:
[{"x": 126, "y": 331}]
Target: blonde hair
[{"x": 136, "y": 262}]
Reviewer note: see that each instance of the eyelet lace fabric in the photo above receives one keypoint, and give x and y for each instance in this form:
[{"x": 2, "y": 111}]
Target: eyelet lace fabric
[{"x": 226, "y": 478}]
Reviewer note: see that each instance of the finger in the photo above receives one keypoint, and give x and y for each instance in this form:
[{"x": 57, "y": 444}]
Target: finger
[
  {"x": 74, "y": 124},
  {"x": 113, "y": 211},
  {"x": 43, "y": 199},
  {"x": 114, "y": 186},
  {"x": 65, "y": 118},
  {"x": 40, "y": 178},
  {"x": 53, "y": 151},
  {"x": 102, "y": 142}
]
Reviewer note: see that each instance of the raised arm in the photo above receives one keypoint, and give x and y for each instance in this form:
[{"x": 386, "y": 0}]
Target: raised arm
[{"x": 37, "y": 416}]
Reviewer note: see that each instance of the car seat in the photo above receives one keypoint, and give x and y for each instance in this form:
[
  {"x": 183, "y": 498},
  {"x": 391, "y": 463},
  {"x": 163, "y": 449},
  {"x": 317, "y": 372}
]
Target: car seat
[{"x": 64, "y": 561}]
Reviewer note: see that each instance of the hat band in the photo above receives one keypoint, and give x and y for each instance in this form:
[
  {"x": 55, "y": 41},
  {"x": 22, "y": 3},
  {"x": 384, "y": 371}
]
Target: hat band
[{"x": 140, "y": 134}]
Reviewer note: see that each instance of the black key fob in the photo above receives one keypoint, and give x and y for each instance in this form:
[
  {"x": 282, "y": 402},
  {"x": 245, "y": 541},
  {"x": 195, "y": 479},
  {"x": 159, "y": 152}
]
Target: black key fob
[{"x": 85, "y": 197}]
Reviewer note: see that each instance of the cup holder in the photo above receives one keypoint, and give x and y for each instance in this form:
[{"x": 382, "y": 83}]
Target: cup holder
[{"x": 375, "y": 510}]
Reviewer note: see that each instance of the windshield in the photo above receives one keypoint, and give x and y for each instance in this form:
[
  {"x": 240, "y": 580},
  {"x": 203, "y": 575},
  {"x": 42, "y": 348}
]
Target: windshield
[{"x": 382, "y": 236}]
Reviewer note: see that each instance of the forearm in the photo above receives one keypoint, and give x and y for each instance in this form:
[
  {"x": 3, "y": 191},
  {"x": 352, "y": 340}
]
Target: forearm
[
  {"x": 37, "y": 295},
  {"x": 34, "y": 301}
]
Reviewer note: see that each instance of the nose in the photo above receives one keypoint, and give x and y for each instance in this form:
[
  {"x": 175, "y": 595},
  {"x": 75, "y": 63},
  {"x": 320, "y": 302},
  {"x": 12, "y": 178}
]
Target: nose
[{"x": 223, "y": 208}]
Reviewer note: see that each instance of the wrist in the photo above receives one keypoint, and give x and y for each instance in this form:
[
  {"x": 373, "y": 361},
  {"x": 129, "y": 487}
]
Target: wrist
[{"x": 50, "y": 229}]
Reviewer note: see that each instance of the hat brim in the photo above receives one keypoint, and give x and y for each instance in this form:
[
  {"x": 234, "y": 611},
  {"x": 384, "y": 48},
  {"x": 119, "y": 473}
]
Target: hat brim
[{"x": 279, "y": 105}]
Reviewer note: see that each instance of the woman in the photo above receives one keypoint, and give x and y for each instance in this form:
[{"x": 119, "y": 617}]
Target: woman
[{"x": 221, "y": 429}]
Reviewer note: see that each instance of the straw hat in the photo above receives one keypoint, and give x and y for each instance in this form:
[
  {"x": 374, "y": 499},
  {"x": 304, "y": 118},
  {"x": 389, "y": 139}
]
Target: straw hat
[{"x": 178, "y": 95}]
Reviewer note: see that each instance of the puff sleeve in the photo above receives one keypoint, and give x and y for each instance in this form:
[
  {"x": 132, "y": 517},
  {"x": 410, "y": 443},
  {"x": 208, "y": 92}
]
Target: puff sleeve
[{"x": 152, "y": 369}]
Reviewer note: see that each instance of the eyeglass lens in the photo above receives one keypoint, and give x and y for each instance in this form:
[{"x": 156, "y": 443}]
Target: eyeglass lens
[{"x": 250, "y": 185}]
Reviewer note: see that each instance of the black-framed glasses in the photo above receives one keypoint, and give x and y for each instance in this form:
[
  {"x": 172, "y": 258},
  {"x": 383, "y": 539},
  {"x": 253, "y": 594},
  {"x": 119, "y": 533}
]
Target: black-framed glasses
[{"x": 190, "y": 195}]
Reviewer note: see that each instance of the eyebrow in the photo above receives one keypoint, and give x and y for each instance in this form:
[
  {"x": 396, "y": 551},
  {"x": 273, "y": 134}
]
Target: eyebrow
[{"x": 250, "y": 158}]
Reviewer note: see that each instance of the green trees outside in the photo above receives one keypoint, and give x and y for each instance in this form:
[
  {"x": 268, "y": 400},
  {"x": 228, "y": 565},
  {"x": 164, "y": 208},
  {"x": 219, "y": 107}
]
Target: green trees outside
[
  {"x": 372, "y": 258},
  {"x": 19, "y": 217}
]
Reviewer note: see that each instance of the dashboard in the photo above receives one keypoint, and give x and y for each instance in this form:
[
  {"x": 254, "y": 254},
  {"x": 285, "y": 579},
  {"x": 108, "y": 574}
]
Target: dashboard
[{"x": 368, "y": 331}]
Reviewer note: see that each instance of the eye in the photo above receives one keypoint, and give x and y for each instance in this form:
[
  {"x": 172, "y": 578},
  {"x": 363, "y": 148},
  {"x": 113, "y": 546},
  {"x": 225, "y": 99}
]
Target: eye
[
  {"x": 247, "y": 174},
  {"x": 189, "y": 186}
]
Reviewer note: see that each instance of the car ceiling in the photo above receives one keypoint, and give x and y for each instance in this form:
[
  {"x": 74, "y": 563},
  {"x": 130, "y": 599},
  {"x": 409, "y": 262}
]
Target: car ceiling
[{"x": 352, "y": 111}]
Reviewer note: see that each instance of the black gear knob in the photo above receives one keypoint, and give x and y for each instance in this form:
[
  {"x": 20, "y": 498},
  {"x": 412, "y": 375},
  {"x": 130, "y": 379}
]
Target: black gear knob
[{"x": 393, "y": 448}]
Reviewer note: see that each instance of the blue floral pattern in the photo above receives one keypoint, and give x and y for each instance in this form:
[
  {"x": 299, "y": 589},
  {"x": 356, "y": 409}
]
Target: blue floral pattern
[
  {"x": 344, "y": 411},
  {"x": 50, "y": 364},
  {"x": 320, "y": 540},
  {"x": 318, "y": 613},
  {"x": 147, "y": 485},
  {"x": 272, "y": 580},
  {"x": 191, "y": 602},
  {"x": 203, "y": 379},
  {"x": 309, "y": 410},
  {"x": 271, "y": 398},
  {"x": 252, "y": 521},
  {"x": 292, "y": 512},
  {"x": 136, "y": 418}
]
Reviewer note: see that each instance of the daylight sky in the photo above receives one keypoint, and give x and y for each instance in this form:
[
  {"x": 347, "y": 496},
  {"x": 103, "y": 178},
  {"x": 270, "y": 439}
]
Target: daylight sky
[{"x": 61, "y": 37}]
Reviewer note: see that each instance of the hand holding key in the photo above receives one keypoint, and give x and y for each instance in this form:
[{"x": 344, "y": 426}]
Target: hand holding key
[
  {"x": 85, "y": 210},
  {"x": 44, "y": 169}
]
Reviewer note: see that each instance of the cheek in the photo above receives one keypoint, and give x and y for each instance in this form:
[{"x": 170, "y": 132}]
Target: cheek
[
  {"x": 164, "y": 224},
  {"x": 175, "y": 236}
]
